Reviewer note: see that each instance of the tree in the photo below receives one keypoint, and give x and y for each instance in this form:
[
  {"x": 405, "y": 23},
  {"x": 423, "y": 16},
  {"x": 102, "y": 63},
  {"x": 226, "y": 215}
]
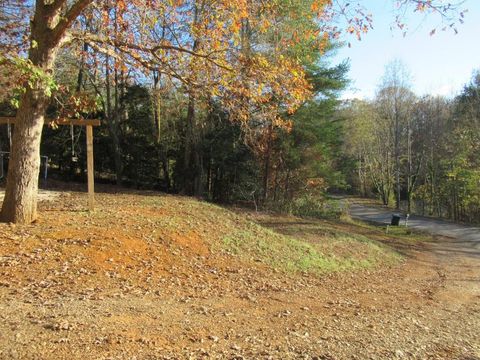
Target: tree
[
  {"x": 439, "y": 151},
  {"x": 463, "y": 148},
  {"x": 47, "y": 35},
  {"x": 394, "y": 101},
  {"x": 370, "y": 142}
]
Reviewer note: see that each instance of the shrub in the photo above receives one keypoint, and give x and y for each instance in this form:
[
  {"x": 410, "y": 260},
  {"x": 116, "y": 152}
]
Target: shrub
[{"x": 317, "y": 207}]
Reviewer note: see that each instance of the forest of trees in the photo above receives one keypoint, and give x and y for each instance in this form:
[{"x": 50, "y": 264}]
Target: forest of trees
[
  {"x": 148, "y": 140},
  {"x": 227, "y": 101},
  {"x": 205, "y": 106},
  {"x": 421, "y": 154}
]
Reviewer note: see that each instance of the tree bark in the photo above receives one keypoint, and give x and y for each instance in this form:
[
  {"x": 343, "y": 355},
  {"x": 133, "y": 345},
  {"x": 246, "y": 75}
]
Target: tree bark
[
  {"x": 20, "y": 202},
  {"x": 113, "y": 122},
  {"x": 188, "y": 172},
  {"x": 266, "y": 164},
  {"x": 397, "y": 157}
]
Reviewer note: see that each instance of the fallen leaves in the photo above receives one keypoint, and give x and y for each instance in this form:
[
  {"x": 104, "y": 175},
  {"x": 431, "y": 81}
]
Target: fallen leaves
[{"x": 75, "y": 290}]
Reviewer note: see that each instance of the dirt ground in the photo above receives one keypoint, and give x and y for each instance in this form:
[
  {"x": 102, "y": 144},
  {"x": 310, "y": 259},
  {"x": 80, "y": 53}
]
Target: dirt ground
[
  {"x": 116, "y": 285},
  {"x": 43, "y": 195}
]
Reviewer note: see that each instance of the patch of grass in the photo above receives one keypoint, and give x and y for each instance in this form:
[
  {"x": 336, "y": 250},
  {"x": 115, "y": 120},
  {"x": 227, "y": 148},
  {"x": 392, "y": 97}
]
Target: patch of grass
[
  {"x": 280, "y": 251},
  {"x": 333, "y": 250}
]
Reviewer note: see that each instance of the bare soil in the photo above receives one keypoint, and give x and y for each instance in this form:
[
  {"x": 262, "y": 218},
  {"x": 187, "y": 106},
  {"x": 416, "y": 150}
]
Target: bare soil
[{"x": 116, "y": 285}]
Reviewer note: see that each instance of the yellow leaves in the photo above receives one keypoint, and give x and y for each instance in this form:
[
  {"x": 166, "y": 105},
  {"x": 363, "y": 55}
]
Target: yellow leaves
[
  {"x": 288, "y": 125},
  {"x": 260, "y": 89},
  {"x": 243, "y": 13},
  {"x": 264, "y": 25},
  {"x": 324, "y": 42},
  {"x": 214, "y": 92},
  {"x": 270, "y": 87},
  {"x": 105, "y": 16},
  {"x": 240, "y": 8},
  {"x": 262, "y": 61},
  {"x": 209, "y": 52},
  {"x": 235, "y": 27},
  {"x": 175, "y": 3}
]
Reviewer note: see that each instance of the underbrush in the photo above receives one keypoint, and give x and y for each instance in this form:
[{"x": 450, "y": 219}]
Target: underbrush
[{"x": 314, "y": 207}]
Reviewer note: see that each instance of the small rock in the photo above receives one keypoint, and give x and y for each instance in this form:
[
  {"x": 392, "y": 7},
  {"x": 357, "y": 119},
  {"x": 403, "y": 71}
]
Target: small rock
[{"x": 64, "y": 326}]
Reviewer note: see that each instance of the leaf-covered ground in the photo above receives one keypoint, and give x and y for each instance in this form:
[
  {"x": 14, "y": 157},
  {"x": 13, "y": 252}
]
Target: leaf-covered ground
[{"x": 150, "y": 276}]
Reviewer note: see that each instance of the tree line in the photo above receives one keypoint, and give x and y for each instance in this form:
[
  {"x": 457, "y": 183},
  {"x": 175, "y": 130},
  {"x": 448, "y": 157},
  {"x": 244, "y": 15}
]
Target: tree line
[{"x": 421, "y": 154}]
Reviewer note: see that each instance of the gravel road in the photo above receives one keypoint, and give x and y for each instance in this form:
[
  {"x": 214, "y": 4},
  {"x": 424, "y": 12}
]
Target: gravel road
[{"x": 465, "y": 239}]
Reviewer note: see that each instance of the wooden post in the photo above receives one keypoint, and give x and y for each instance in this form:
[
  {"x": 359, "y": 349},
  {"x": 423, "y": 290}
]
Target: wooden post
[{"x": 90, "y": 170}]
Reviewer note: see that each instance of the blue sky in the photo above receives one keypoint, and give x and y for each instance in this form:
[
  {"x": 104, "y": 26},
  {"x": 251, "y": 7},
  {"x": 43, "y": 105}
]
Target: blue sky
[{"x": 439, "y": 64}]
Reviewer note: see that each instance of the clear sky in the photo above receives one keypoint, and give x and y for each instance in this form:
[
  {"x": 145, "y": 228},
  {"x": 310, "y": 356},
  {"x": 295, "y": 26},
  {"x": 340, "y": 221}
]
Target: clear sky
[{"x": 439, "y": 64}]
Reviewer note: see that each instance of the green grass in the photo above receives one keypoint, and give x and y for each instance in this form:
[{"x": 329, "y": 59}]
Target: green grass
[
  {"x": 335, "y": 250},
  {"x": 280, "y": 251}
]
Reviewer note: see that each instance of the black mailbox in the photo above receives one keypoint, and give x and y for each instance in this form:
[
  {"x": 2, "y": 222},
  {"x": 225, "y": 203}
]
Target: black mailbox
[{"x": 395, "y": 220}]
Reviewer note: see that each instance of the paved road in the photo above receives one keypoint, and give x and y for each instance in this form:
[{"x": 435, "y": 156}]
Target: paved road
[{"x": 465, "y": 239}]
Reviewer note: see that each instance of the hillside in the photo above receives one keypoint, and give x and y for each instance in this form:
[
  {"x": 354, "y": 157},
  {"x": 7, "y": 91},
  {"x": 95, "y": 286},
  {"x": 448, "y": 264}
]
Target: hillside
[
  {"x": 139, "y": 240},
  {"x": 156, "y": 276}
]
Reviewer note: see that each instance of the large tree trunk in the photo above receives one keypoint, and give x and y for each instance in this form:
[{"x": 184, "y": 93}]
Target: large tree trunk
[{"x": 20, "y": 203}]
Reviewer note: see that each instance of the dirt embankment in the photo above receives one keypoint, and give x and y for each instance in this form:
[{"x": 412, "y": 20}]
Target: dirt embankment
[{"x": 157, "y": 277}]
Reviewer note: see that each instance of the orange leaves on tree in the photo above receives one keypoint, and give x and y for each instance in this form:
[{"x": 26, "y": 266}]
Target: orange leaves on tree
[{"x": 318, "y": 6}]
